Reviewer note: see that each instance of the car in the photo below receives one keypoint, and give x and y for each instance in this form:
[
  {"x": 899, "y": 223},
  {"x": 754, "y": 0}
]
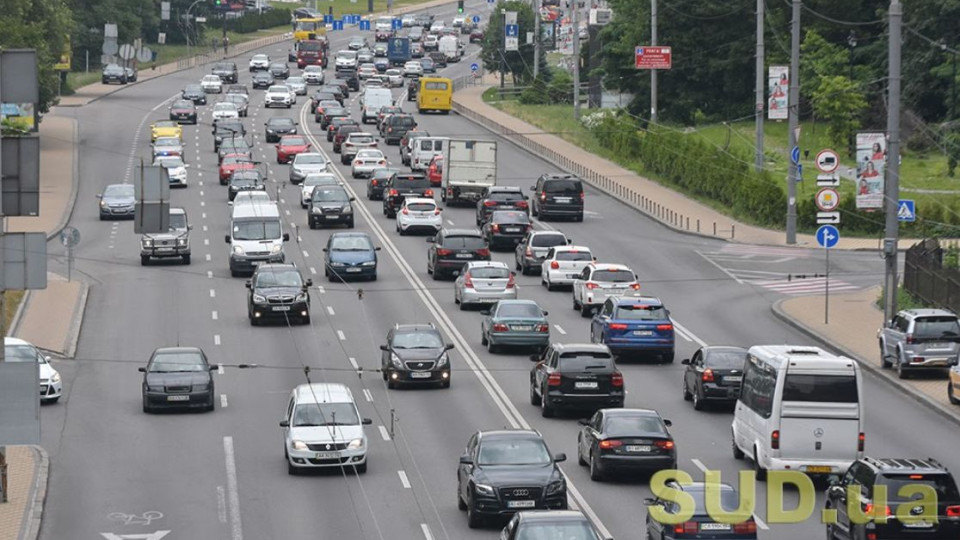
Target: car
[
  {"x": 416, "y": 49},
  {"x": 483, "y": 283},
  {"x": 533, "y": 249},
  {"x": 252, "y": 198},
  {"x": 365, "y": 56},
  {"x": 243, "y": 179},
  {"x": 167, "y": 146},
  {"x": 195, "y": 93},
  {"x": 225, "y": 110},
  {"x": 458, "y": 22},
  {"x": 919, "y": 340},
  {"x": 313, "y": 75},
  {"x": 435, "y": 171},
  {"x": 131, "y": 74},
  {"x": 428, "y": 65},
  {"x": 349, "y": 76},
  {"x": 365, "y": 71},
  {"x": 599, "y": 281},
  {"x": 227, "y": 71},
  {"x": 565, "y": 524},
  {"x": 328, "y": 114},
  {"x": 953, "y": 385},
  {"x": 307, "y": 163},
  {"x": 408, "y": 20},
  {"x": 500, "y": 198},
  {"x": 375, "y": 82},
  {"x": 394, "y": 77},
  {"x": 558, "y": 195},
  {"x": 165, "y": 128},
  {"x": 451, "y": 249},
  {"x": 183, "y": 110},
  {"x": 322, "y": 428},
  {"x": 278, "y": 291},
  {"x": 639, "y": 324},
  {"x": 419, "y": 214},
  {"x": 575, "y": 376},
  {"x": 415, "y": 354},
  {"x": 175, "y": 243},
  {"x": 562, "y": 265},
  {"x": 476, "y": 35},
  {"x": 407, "y": 142},
  {"x": 503, "y": 471},
  {"x": 436, "y": 26},
  {"x": 385, "y": 111},
  {"x": 506, "y": 228},
  {"x": 380, "y": 49},
  {"x": 277, "y": 127},
  {"x": 298, "y": 85},
  {"x": 382, "y": 65},
  {"x": 320, "y": 100},
  {"x": 350, "y": 255},
  {"x": 178, "y": 377},
  {"x": 241, "y": 101},
  {"x": 333, "y": 128},
  {"x": 396, "y": 126},
  {"x": 211, "y": 84},
  {"x": 238, "y": 89},
  {"x": 336, "y": 91},
  {"x": 366, "y": 161},
  {"x": 431, "y": 42},
  {"x": 291, "y": 145},
  {"x": 234, "y": 145},
  {"x": 413, "y": 68},
  {"x": 357, "y": 42},
  {"x": 416, "y": 34},
  {"x": 413, "y": 87},
  {"x": 345, "y": 59},
  {"x": 378, "y": 181},
  {"x": 714, "y": 374},
  {"x": 625, "y": 440},
  {"x": 19, "y": 351},
  {"x": 697, "y": 525},
  {"x": 509, "y": 323},
  {"x": 262, "y": 79},
  {"x": 259, "y": 62},
  {"x": 313, "y": 180},
  {"x": 278, "y": 70},
  {"x": 439, "y": 59},
  {"x": 343, "y": 132},
  {"x": 381, "y": 35},
  {"x": 231, "y": 164},
  {"x": 279, "y": 95},
  {"x": 330, "y": 205},
  {"x": 354, "y": 143},
  {"x": 176, "y": 169},
  {"x": 403, "y": 185},
  {"x": 229, "y": 130},
  {"x": 112, "y": 73},
  {"x": 867, "y": 476}
]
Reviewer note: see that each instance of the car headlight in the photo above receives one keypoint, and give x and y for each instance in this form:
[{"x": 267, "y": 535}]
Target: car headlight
[
  {"x": 55, "y": 378},
  {"x": 302, "y": 297},
  {"x": 369, "y": 263},
  {"x": 238, "y": 250},
  {"x": 443, "y": 360},
  {"x": 556, "y": 487},
  {"x": 103, "y": 204},
  {"x": 259, "y": 298},
  {"x": 275, "y": 248},
  {"x": 299, "y": 445},
  {"x": 155, "y": 388},
  {"x": 147, "y": 242},
  {"x": 483, "y": 489},
  {"x": 316, "y": 210},
  {"x": 347, "y": 209},
  {"x": 271, "y": 132},
  {"x": 182, "y": 242},
  {"x": 396, "y": 360},
  {"x": 337, "y": 264},
  {"x": 355, "y": 444}
]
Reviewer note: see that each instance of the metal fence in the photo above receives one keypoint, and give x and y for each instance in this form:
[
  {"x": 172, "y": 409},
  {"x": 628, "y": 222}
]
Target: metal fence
[{"x": 926, "y": 277}]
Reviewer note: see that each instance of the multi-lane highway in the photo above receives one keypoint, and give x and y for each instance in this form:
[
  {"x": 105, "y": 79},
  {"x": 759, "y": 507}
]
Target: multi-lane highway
[{"x": 117, "y": 472}]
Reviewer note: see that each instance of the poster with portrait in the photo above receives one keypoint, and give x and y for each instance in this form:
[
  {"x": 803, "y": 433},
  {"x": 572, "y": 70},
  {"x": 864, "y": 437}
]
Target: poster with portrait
[
  {"x": 871, "y": 161},
  {"x": 778, "y": 88}
]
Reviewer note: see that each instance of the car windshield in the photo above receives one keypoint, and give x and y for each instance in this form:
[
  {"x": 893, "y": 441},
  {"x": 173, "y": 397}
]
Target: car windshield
[
  {"x": 513, "y": 452},
  {"x": 178, "y": 222},
  {"x": 21, "y": 354},
  {"x": 310, "y": 159},
  {"x": 530, "y": 311},
  {"x": 330, "y": 195},
  {"x": 243, "y": 181},
  {"x": 119, "y": 190},
  {"x": 279, "y": 278},
  {"x": 464, "y": 242},
  {"x": 820, "y": 388},
  {"x": 726, "y": 359},
  {"x": 251, "y": 197},
  {"x": 295, "y": 80},
  {"x": 347, "y": 55},
  {"x": 641, "y": 313},
  {"x": 278, "y": 89},
  {"x": 313, "y": 69},
  {"x": 370, "y": 154},
  {"x": 264, "y": 76},
  {"x": 169, "y": 162},
  {"x": 417, "y": 340},
  {"x": 211, "y": 79},
  {"x": 320, "y": 180},
  {"x": 613, "y": 276},
  {"x": 233, "y": 160},
  {"x": 350, "y": 243},
  {"x": 224, "y": 107},
  {"x": 261, "y": 58},
  {"x": 621, "y": 425},
  {"x": 562, "y": 186},
  {"x": 177, "y": 362},
  {"x": 280, "y": 122},
  {"x": 193, "y": 89},
  {"x": 558, "y": 530},
  {"x": 325, "y": 414},
  {"x": 256, "y": 229},
  {"x": 293, "y": 141},
  {"x": 936, "y": 327},
  {"x": 422, "y": 207},
  {"x": 490, "y": 272},
  {"x": 182, "y": 104}
]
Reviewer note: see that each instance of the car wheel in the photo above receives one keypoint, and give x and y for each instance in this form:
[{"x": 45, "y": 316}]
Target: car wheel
[
  {"x": 585, "y": 310},
  {"x": 902, "y": 372},
  {"x": 144, "y": 260},
  {"x": 436, "y": 275},
  {"x": 534, "y": 398},
  {"x": 667, "y": 357},
  {"x": 492, "y": 348},
  {"x": 350, "y": 224},
  {"x": 737, "y": 452},
  {"x": 953, "y": 399},
  {"x": 697, "y": 401},
  {"x": 546, "y": 410},
  {"x": 362, "y": 468},
  {"x": 580, "y": 461},
  {"x": 483, "y": 336},
  {"x": 761, "y": 472},
  {"x": 576, "y": 305},
  {"x": 474, "y": 520},
  {"x": 595, "y": 473},
  {"x": 884, "y": 359},
  {"x": 185, "y": 259},
  {"x": 831, "y": 534},
  {"x": 687, "y": 396}
]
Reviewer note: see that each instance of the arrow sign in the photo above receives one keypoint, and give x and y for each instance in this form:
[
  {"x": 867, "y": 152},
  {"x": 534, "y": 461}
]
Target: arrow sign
[
  {"x": 795, "y": 155},
  {"x": 828, "y": 218},
  {"x": 476, "y": 19},
  {"x": 828, "y": 180},
  {"x": 474, "y": 66},
  {"x": 906, "y": 210},
  {"x": 828, "y": 236}
]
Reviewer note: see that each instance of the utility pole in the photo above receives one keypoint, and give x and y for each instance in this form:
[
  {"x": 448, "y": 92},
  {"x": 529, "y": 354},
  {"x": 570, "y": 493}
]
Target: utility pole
[
  {"x": 536, "y": 38},
  {"x": 576, "y": 58},
  {"x": 891, "y": 195},
  {"x": 793, "y": 121},
  {"x": 653, "y": 72},
  {"x": 503, "y": 51},
  {"x": 761, "y": 95},
  {"x": 3, "y": 316}
]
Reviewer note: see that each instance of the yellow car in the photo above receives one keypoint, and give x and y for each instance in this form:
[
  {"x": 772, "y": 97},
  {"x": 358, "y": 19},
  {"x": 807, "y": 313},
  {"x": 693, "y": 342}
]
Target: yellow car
[
  {"x": 165, "y": 128},
  {"x": 953, "y": 386}
]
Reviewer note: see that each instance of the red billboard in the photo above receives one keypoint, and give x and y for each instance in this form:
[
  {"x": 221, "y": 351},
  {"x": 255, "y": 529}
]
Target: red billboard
[{"x": 653, "y": 57}]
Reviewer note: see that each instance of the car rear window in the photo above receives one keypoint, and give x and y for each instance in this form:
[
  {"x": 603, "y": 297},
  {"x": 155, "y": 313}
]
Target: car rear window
[
  {"x": 726, "y": 360},
  {"x": 625, "y": 425},
  {"x": 641, "y": 313},
  {"x": 510, "y": 217},
  {"x": 563, "y": 186},
  {"x": 574, "y": 256},
  {"x": 943, "y": 484},
  {"x": 820, "y": 388},
  {"x": 586, "y": 360},
  {"x": 464, "y": 242},
  {"x": 362, "y": 139},
  {"x": 422, "y": 207},
  {"x": 548, "y": 240},
  {"x": 729, "y": 501},
  {"x": 519, "y": 310},
  {"x": 490, "y": 272},
  {"x": 614, "y": 276},
  {"x": 414, "y": 182},
  {"x": 431, "y": 145},
  {"x": 506, "y": 196},
  {"x": 936, "y": 327},
  {"x": 402, "y": 121}
]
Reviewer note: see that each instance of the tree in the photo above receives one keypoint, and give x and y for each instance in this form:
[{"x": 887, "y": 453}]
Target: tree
[
  {"x": 518, "y": 63},
  {"x": 42, "y": 25},
  {"x": 837, "y": 101}
]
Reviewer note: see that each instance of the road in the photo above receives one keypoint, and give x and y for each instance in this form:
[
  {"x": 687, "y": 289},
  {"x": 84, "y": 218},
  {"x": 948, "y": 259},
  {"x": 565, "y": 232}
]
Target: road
[{"x": 117, "y": 472}]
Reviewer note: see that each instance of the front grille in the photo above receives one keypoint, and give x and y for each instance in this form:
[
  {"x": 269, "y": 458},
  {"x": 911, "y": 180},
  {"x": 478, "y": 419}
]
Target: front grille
[
  {"x": 178, "y": 389},
  {"x": 520, "y": 493},
  {"x": 331, "y": 210},
  {"x": 327, "y": 447},
  {"x": 420, "y": 365},
  {"x": 335, "y": 461},
  {"x": 280, "y": 299},
  {"x": 257, "y": 253}
]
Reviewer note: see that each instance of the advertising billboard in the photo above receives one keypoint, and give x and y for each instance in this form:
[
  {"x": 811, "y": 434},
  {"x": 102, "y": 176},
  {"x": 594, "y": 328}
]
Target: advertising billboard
[
  {"x": 871, "y": 161},
  {"x": 778, "y": 86}
]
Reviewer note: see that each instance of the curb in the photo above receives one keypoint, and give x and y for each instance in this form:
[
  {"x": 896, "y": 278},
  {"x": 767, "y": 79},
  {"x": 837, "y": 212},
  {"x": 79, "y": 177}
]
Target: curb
[
  {"x": 75, "y": 184},
  {"x": 73, "y": 338},
  {"x": 877, "y": 371},
  {"x": 34, "y": 515}
]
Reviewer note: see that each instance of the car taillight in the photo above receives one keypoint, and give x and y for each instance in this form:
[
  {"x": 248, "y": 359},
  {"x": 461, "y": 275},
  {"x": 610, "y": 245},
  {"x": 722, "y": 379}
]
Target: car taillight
[
  {"x": 664, "y": 327},
  {"x": 543, "y": 328},
  {"x": 500, "y": 327},
  {"x": 747, "y": 527},
  {"x": 512, "y": 282},
  {"x": 618, "y": 326},
  {"x": 483, "y": 252},
  {"x": 393, "y": 193},
  {"x": 468, "y": 280},
  {"x": 436, "y": 212},
  {"x": 616, "y": 379},
  {"x": 861, "y": 442},
  {"x": 910, "y": 338},
  {"x": 775, "y": 439},
  {"x": 495, "y": 227},
  {"x": 592, "y": 286},
  {"x": 522, "y": 204},
  {"x": 373, "y": 182},
  {"x": 428, "y": 193},
  {"x": 635, "y": 286},
  {"x": 707, "y": 375},
  {"x": 405, "y": 212},
  {"x": 489, "y": 203},
  {"x": 871, "y": 511},
  {"x": 664, "y": 445},
  {"x": 953, "y": 511},
  {"x": 687, "y": 527},
  {"x": 443, "y": 252},
  {"x": 553, "y": 379},
  {"x": 554, "y": 265},
  {"x": 608, "y": 444}
]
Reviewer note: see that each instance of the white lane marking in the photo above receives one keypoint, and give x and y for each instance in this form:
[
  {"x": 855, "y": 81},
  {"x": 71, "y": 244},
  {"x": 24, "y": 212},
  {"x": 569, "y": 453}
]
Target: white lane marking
[
  {"x": 353, "y": 362},
  {"x": 206, "y": 241},
  {"x": 282, "y": 201},
  {"x": 367, "y": 394},
  {"x": 213, "y": 315},
  {"x": 305, "y": 254},
  {"x": 221, "y": 504},
  {"x": 216, "y": 339},
  {"x": 321, "y": 289},
  {"x": 202, "y": 203},
  {"x": 220, "y": 370},
  {"x": 287, "y": 211},
  {"x": 209, "y": 272},
  {"x": 560, "y": 329},
  {"x": 204, "y": 228},
  {"x": 450, "y": 222},
  {"x": 201, "y": 193},
  {"x": 341, "y": 335},
  {"x": 213, "y": 293},
  {"x": 208, "y": 258},
  {"x": 330, "y": 310},
  {"x": 233, "y": 493},
  {"x": 686, "y": 331},
  {"x": 722, "y": 269},
  {"x": 200, "y": 182},
  {"x": 426, "y": 531},
  {"x": 313, "y": 270},
  {"x": 699, "y": 464},
  {"x": 203, "y": 215},
  {"x": 404, "y": 480},
  {"x": 223, "y": 401},
  {"x": 384, "y": 433}
]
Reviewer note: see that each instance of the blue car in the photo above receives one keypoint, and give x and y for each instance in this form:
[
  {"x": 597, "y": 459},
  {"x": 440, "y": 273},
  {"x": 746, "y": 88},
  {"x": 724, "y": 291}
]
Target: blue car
[
  {"x": 517, "y": 323},
  {"x": 350, "y": 255},
  {"x": 634, "y": 325}
]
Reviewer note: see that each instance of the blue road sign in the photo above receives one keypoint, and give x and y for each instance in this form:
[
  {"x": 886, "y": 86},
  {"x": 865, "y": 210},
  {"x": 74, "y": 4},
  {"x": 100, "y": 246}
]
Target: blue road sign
[
  {"x": 328, "y": 19},
  {"x": 338, "y": 25},
  {"x": 906, "y": 210},
  {"x": 513, "y": 30},
  {"x": 474, "y": 66},
  {"x": 795, "y": 155},
  {"x": 396, "y": 24},
  {"x": 364, "y": 25},
  {"x": 491, "y": 1},
  {"x": 828, "y": 236},
  {"x": 476, "y": 19}
]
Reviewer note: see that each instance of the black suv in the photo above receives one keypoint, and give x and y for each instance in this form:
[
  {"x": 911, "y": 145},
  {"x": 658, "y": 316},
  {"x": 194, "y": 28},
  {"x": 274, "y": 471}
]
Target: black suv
[
  {"x": 506, "y": 228},
  {"x": 330, "y": 205},
  {"x": 227, "y": 128},
  {"x": 278, "y": 126},
  {"x": 350, "y": 76},
  {"x": 575, "y": 375},
  {"x": 415, "y": 354},
  {"x": 504, "y": 471},
  {"x": 500, "y": 198},
  {"x": 396, "y": 126},
  {"x": 451, "y": 249},
  {"x": 227, "y": 71},
  {"x": 195, "y": 93},
  {"x": 862, "y": 478},
  {"x": 278, "y": 291},
  {"x": 245, "y": 180},
  {"x": 558, "y": 195},
  {"x": 403, "y": 185},
  {"x": 378, "y": 180}
]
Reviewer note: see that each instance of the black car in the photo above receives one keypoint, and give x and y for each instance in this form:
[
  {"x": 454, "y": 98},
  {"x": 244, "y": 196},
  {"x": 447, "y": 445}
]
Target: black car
[
  {"x": 506, "y": 228},
  {"x": 195, "y": 93},
  {"x": 350, "y": 255},
  {"x": 700, "y": 524},
  {"x": 401, "y": 186},
  {"x": 227, "y": 128},
  {"x": 349, "y": 76},
  {"x": 415, "y": 354},
  {"x": 262, "y": 79},
  {"x": 342, "y": 132},
  {"x": 178, "y": 377},
  {"x": 278, "y": 291},
  {"x": 336, "y": 90},
  {"x": 278, "y": 126},
  {"x": 625, "y": 440},
  {"x": 234, "y": 145},
  {"x": 575, "y": 375},
  {"x": 500, "y": 198},
  {"x": 227, "y": 71},
  {"x": 504, "y": 471},
  {"x": 329, "y": 114},
  {"x": 278, "y": 70},
  {"x": 558, "y": 195},
  {"x": 565, "y": 524},
  {"x": 451, "y": 249},
  {"x": 330, "y": 205},
  {"x": 183, "y": 111},
  {"x": 238, "y": 89},
  {"x": 244, "y": 180},
  {"x": 333, "y": 129},
  {"x": 533, "y": 248},
  {"x": 439, "y": 59},
  {"x": 112, "y": 73},
  {"x": 344, "y": 86},
  {"x": 396, "y": 126},
  {"x": 378, "y": 180},
  {"x": 714, "y": 374}
]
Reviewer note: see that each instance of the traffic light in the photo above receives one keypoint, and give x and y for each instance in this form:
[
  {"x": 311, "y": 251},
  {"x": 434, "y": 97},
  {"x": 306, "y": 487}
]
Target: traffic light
[
  {"x": 459, "y": 6},
  {"x": 217, "y": 3}
]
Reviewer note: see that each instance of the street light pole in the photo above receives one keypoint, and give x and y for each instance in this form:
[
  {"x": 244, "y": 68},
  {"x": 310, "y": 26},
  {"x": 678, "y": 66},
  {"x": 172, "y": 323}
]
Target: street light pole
[
  {"x": 891, "y": 195},
  {"x": 793, "y": 122},
  {"x": 653, "y": 72}
]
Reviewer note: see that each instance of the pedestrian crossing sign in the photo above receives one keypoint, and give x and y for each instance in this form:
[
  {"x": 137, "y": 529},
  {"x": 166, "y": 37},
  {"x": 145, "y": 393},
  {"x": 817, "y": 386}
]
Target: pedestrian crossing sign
[{"x": 906, "y": 210}]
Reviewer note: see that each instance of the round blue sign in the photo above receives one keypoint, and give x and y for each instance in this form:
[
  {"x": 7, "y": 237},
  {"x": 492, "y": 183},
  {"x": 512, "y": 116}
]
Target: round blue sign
[
  {"x": 828, "y": 236},
  {"x": 474, "y": 66},
  {"x": 476, "y": 19}
]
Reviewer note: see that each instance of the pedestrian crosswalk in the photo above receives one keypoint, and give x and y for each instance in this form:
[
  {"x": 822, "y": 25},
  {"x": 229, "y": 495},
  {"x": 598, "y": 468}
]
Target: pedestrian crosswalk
[{"x": 802, "y": 287}]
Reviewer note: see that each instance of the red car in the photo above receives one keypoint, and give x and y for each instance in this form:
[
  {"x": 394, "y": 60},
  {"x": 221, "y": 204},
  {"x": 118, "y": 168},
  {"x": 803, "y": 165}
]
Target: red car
[
  {"x": 476, "y": 35},
  {"x": 435, "y": 172},
  {"x": 289, "y": 146},
  {"x": 233, "y": 162}
]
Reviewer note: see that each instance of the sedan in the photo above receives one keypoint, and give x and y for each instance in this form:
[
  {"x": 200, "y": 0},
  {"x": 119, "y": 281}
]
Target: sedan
[
  {"x": 242, "y": 102},
  {"x": 178, "y": 377},
  {"x": 625, "y": 440},
  {"x": 378, "y": 180},
  {"x": 394, "y": 77},
  {"x": 313, "y": 180},
  {"x": 700, "y": 524},
  {"x": 418, "y": 214},
  {"x": 714, "y": 374},
  {"x": 19, "y": 351},
  {"x": 366, "y": 162},
  {"x": 515, "y": 323},
  {"x": 167, "y": 146},
  {"x": 328, "y": 114},
  {"x": 289, "y": 146},
  {"x": 298, "y": 85},
  {"x": 506, "y": 227},
  {"x": 366, "y": 71},
  {"x": 350, "y": 255},
  {"x": 176, "y": 169},
  {"x": 413, "y": 68},
  {"x": 279, "y": 70},
  {"x": 262, "y": 79},
  {"x": 183, "y": 110},
  {"x": 307, "y": 163},
  {"x": 195, "y": 93},
  {"x": 225, "y": 110},
  {"x": 484, "y": 283},
  {"x": 356, "y": 43},
  {"x": 476, "y": 35},
  {"x": 211, "y": 84}
]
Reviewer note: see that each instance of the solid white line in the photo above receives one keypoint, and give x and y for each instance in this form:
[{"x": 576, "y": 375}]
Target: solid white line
[
  {"x": 330, "y": 310},
  {"x": 426, "y": 531},
  {"x": 404, "y": 480},
  {"x": 686, "y": 331},
  {"x": 220, "y": 370},
  {"x": 341, "y": 335},
  {"x": 699, "y": 464},
  {"x": 223, "y": 401},
  {"x": 213, "y": 315},
  {"x": 216, "y": 339},
  {"x": 560, "y": 329},
  {"x": 353, "y": 362},
  {"x": 367, "y": 394},
  {"x": 384, "y": 433},
  {"x": 221, "y": 504},
  {"x": 722, "y": 269},
  {"x": 233, "y": 493}
]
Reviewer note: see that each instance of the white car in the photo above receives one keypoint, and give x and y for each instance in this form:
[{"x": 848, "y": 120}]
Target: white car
[
  {"x": 431, "y": 42},
  {"x": 374, "y": 82},
  {"x": 322, "y": 429},
  {"x": 345, "y": 59},
  {"x": 408, "y": 20},
  {"x": 313, "y": 180},
  {"x": 365, "y": 71},
  {"x": 366, "y": 161},
  {"x": 562, "y": 264},
  {"x": 313, "y": 74},
  {"x": 225, "y": 109},
  {"x": 176, "y": 169},
  {"x": 394, "y": 77},
  {"x": 211, "y": 84},
  {"x": 458, "y": 22},
  {"x": 306, "y": 163},
  {"x": 412, "y": 69},
  {"x": 436, "y": 26},
  {"x": 259, "y": 62},
  {"x": 254, "y": 197},
  {"x": 279, "y": 95},
  {"x": 597, "y": 282},
  {"x": 419, "y": 214},
  {"x": 384, "y": 23},
  {"x": 297, "y": 84},
  {"x": 17, "y": 351}
]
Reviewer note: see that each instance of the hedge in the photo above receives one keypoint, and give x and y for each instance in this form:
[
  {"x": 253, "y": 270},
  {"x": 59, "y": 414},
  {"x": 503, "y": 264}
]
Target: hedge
[{"x": 251, "y": 22}]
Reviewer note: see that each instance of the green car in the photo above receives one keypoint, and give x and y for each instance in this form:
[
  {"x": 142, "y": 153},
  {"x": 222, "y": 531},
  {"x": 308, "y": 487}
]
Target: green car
[{"x": 515, "y": 323}]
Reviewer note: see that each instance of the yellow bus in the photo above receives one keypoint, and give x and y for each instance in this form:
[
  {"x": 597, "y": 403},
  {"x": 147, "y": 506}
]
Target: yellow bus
[
  {"x": 308, "y": 29},
  {"x": 435, "y": 94}
]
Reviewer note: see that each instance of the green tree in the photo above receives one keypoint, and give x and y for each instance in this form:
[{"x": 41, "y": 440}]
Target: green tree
[
  {"x": 42, "y": 25},
  {"x": 837, "y": 101},
  {"x": 519, "y": 64}
]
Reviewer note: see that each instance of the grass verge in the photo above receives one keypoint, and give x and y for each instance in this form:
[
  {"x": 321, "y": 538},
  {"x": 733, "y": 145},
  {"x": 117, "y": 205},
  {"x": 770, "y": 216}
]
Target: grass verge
[
  {"x": 905, "y": 300},
  {"x": 12, "y": 299}
]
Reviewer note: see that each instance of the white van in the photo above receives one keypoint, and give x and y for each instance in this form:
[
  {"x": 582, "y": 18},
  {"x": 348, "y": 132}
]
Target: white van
[
  {"x": 450, "y": 47},
  {"x": 424, "y": 148},
  {"x": 800, "y": 409},
  {"x": 371, "y": 100},
  {"x": 256, "y": 236},
  {"x": 323, "y": 428}
]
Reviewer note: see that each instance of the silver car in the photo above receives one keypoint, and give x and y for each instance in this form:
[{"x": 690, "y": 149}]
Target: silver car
[
  {"x": 483, "y": 283},
  {"x": 920, "y": 339},
  {"x": 298, "y": 85},
  {"x": 306, "y": 163},
  {"x": 174, "y": 243}
]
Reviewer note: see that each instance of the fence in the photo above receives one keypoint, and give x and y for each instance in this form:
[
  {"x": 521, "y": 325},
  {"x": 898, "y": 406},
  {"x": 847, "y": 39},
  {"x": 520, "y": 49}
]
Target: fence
[
  {"x": 926, "y": 277},
  {"x": 233, "y": 50}
]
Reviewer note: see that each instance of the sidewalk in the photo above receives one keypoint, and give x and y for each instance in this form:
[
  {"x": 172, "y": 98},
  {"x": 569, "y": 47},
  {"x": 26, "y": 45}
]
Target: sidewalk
[{"x": 27, "y": 468}]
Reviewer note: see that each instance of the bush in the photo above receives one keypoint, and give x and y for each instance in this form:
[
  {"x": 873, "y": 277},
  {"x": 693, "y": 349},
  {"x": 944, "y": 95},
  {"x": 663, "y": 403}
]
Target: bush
[
  {"x": 560, "y": 89},
  {"x": 251, "y": 22},
  {"x": 536, "y": 93}
]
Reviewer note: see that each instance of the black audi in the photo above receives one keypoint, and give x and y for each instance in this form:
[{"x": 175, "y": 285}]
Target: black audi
[
  {"x": 278, "y": 291},
  {"x": 503, "y": 472},
  {"x": 178, "y": 377}
]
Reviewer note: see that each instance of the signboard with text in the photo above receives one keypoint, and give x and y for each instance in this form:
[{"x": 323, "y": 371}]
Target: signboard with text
[{"x": 654, "y": 57}]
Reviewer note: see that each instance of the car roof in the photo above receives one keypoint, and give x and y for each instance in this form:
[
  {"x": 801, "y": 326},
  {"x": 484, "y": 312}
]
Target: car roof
[
  {"x": 462, "y": 232},
  {"x": 906, "y": 465},
  {"x": 275, "y": 266},
  {"x": 349, "y": 234},
  {"x": 504, "y": 189},
  {"x": 552, "y": 515},
  {"x": 323, "y": 393},
  {"x": 637, "y": 300},
  {"x": 611, "y": 266},
  {"x": 631, "y": 412},
  {"x": 419, "y": 200},
  {"x": 585, "y": 347},
  {"x": 510, "y": 434},
  {"x": 929, "y": 312},
  {"x": 415, "y": 327},
  {"x": 261, "y": 209},
  {"x": 178, "y": 211},
  {"x": 177, "y": 350}
]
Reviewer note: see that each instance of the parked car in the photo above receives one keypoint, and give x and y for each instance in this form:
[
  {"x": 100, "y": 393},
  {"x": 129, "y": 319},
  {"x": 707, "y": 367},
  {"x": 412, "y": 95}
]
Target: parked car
[{"x": 920, "y": 340}]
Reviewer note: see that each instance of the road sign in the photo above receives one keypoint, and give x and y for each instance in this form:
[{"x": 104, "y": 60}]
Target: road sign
[
  {"x": 396, "y": 24},
  {"x": 600, "y": 16},
  {"x": 511, "y": 32},
  {"x": 337, "y": 25},
  {"x": 69, "y": 237},
  {"x": 145, "y": 54},
  {"x": 327, "y": 18},
  {"x": 161, "y": 38},
  {"x": 364, "y": 25},
  {"x": 653, "y": 57},
  {"x": 828, "y": 218},
  {"x": 127, "y": 52},
  {"x": 110, "y": 47},
  {"x": 164, "y": 11},
  {"x": 828, "y": 199},
  {"x": 828, "y": 180},
  {"x": 795, "y": 155},
  {"x": 827, "y": 161},
  {"x": 828, "y": 236},
  {"x": 474, "y": 66},
  {"x": 906, "y": 210},
  {"x": 476, "y": 19},
  {"x": 201, "y": 19},
  {"x": 491, "y": 1}
]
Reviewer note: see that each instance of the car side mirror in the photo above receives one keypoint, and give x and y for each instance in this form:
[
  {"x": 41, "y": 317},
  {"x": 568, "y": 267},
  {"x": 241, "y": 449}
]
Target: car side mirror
[
  {"x": 385, "y": 348},
  {"x": 99, "y": 196},
  {"x": 570, "y": 241},
  {"x": 465, "y": 460},
  {"x": 484, "y": 311},
  {"x": 367, "y": 421},
  {"x": 286, "y": 237},
  {"x": 284, "y": 423},
  {"x": 583, "y": 422},
  {"x": 352, "y": 199},
  {"x": 226, "y": 238},
  {"x": 378, "y": 248},
  {"x": 296, "y": 123},
  {"x": 449, "y": 347},
  {"x": 325, "y": 250},
  {"x": 685, "y": 361},
  {"x": 667, "y": 423},
  {"x": 212, "y": 368},
  {"x": 533, "y": 188},
  {"x": 534, "y": 357},
  {"x": 142, "y": 369},
  {"x": 545, "y": 313},
  {"x": 309, "y": 282},
  {"x": 248, "y": 284},
  {"x": 558, "y": 458}
]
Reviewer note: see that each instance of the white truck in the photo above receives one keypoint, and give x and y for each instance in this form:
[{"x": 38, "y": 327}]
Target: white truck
[
  {"x": 469, "y": 167},
  {"x": 450, "y": 47}
]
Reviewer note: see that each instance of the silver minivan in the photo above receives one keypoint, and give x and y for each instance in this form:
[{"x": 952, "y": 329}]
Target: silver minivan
[{"x": 920, "y": 339}]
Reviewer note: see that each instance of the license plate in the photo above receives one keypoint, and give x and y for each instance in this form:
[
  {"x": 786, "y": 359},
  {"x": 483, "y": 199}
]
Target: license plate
[
  {"x": 352, "y": 270},
  {"x": 714, "y": 526},
  {"x": 643, "y": 332},
  {"x": 585, "y": 385},
  {"x": 638, "y": 448},
  {"x": 524, "y": 328},
  {"x": 562, "y": 199},
  {"x": 819, "y": 469},
  {"x": 178, "y": 398},
  {"x": 521, "y": 504},
  {"x": 511, "y": 229},
  {"x": 572, "y": 276},
  {"x": 732, "y": 379},
  {"x": 164, "y": 250},
  {"x": 327, "y": 455},
  {"x": 420, "y": 375},
  {"x": 464, "y": 255},
  {"x": 281, "y": 308},
  {"x": 331, "y": 217},
  {"x": 917, "y": 524}
]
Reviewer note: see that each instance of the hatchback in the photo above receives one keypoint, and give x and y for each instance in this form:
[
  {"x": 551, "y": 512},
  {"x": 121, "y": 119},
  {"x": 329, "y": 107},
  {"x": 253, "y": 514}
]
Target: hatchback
[
  {"x": 322, "y": 428},
  {"x": 514, "y": 323},
  {"x": 349, "y": 255},
  {"x": 419, "y": 214},
  {"x": 506, "y": 228},
  {"x": 451, "y": 249},
  {"x": 18, "y": 350},
  {"x": 177, "y": 377},
  {"x": 484, "y": 283},
  {"x": 700, "y": 524}
]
